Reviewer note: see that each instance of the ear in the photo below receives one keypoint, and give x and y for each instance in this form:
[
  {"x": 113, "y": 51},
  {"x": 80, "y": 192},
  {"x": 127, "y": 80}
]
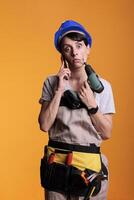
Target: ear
[{"x": 88, "y": 50}]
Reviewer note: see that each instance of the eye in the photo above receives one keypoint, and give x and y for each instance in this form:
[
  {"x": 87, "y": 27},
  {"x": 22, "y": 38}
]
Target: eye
[
  {"x": 79, "y": 45},
  {"x": 66, "y": 49}
]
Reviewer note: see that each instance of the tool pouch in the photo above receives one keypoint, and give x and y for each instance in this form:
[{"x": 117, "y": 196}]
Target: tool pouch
[
  {"x": 54, "y": 176},
  {"x": 77, "y": 185},
  {"x": 62, "y": 178}
]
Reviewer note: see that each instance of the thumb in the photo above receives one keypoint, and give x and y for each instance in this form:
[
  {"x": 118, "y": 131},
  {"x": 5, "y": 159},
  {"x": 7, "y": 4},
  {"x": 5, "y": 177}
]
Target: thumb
[
  {"x": 62, "y": 62},
  {"x": 86, "y": 84}
]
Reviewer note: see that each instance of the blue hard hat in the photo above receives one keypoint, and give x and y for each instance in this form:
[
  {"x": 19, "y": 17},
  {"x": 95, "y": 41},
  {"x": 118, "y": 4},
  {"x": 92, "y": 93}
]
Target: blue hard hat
[{"x": 67, "y": 27}]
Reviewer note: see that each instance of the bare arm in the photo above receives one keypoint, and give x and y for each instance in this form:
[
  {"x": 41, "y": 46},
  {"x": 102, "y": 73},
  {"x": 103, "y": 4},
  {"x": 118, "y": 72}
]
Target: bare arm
[
  {"x": 101, "y": 122},
  {"x": 49, "y": 109}
]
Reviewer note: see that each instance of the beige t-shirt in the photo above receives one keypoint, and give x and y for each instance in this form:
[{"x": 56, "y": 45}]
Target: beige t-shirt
[{"x": 74, "y": 126}]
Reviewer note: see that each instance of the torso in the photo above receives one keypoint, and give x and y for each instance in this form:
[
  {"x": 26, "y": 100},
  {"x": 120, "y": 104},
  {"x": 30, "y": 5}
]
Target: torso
[{"x": 74, "y": 125}]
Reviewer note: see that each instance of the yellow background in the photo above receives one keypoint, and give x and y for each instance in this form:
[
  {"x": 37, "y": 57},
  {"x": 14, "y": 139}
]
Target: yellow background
[{"x": 27, "y": 56}]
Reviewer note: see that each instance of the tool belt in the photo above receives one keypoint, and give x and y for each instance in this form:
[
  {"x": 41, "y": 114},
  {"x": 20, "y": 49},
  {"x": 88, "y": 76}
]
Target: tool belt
[{"x": 72, "y": 169}]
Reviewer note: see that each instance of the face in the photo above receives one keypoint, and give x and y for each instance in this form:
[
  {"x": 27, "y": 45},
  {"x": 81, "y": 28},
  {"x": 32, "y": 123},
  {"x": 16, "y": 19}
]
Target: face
[{"x": 75, "y": 52}]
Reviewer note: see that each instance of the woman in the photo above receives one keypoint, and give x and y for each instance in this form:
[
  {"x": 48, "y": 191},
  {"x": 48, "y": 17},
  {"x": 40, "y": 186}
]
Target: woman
[{"x": 78, "y": 126}]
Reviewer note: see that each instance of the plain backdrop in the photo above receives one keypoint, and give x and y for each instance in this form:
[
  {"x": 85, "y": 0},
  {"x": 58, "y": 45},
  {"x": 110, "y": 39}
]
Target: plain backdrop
[{"x": 28, "y": 56}]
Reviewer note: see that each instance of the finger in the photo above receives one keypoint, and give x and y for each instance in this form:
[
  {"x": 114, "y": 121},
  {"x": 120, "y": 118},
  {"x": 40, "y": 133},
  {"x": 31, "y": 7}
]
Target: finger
[
  {"x": 65, "y": 70},
  {"x": 65, "y": 75},
  {"x": 62, "y": 62},
  {"x": 81, "y": 93},
  {"x": 86, "y": 84},
  {"x": 80, "y": 96},
  {"x": 61, "y": 58},
  {"x": 82, "y": 88}
]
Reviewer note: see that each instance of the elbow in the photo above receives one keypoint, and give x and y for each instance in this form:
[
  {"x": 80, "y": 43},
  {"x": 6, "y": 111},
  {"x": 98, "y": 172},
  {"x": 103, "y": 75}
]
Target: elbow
[
  {"x": 44, "y": 128},
  {"x": 42, "y": 125},
  {"x": 106, "y": 135},
  {"x": 106, "y": 132}
]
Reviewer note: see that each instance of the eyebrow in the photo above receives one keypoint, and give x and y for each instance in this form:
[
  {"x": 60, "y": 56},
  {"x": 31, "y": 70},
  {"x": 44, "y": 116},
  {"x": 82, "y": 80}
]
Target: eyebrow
[{"x": 70, "y": 45}]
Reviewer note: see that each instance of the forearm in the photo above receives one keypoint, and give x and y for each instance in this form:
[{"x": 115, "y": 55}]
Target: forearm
[
  {"x": 103, "y": 124},
  {"x": 47, "y": 116}
]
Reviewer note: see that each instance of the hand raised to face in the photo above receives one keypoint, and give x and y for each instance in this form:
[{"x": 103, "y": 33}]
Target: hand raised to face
[{"x": 63, "y": 74}]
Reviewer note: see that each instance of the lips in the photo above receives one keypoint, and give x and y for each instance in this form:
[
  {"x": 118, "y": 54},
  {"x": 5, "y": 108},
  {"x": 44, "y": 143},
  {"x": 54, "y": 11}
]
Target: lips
[{"x": 76, "y": 60}]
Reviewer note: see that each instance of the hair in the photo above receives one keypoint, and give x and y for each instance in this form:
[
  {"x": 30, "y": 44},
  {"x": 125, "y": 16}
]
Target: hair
[{"x": 74, "y": 36}]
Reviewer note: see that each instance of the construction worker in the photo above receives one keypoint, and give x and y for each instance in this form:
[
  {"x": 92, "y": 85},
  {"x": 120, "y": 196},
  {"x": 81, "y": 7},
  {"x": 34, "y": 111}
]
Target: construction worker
[{"x": 77, "y": 117}]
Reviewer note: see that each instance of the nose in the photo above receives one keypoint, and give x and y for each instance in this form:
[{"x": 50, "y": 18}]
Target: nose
[{"x": 74, "y": 52}]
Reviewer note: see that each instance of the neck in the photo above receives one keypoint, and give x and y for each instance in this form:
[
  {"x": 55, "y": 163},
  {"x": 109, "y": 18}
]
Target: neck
[{"x": 78, "y": 73}]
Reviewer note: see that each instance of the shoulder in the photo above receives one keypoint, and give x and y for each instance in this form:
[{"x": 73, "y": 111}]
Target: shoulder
[
  {"x": 51, "y": 79},
  {"x": 107, "y": 92},
  {"x": 105, "y": 99},
  {"x": 105, "y": 82}
]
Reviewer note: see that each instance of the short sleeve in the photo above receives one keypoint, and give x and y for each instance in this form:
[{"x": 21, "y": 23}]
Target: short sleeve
[
  {"x": 105, "y": 100},
  {"x": 48, "y": 89}
]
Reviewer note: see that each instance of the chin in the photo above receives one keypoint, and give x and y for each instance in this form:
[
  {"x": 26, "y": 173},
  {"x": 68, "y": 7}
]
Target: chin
[{"x": 77, "y": 65}]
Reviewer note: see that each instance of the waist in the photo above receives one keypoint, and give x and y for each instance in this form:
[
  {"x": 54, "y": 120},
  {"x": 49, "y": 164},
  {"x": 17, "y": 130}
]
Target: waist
[{"x": 74, "y": 147}]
